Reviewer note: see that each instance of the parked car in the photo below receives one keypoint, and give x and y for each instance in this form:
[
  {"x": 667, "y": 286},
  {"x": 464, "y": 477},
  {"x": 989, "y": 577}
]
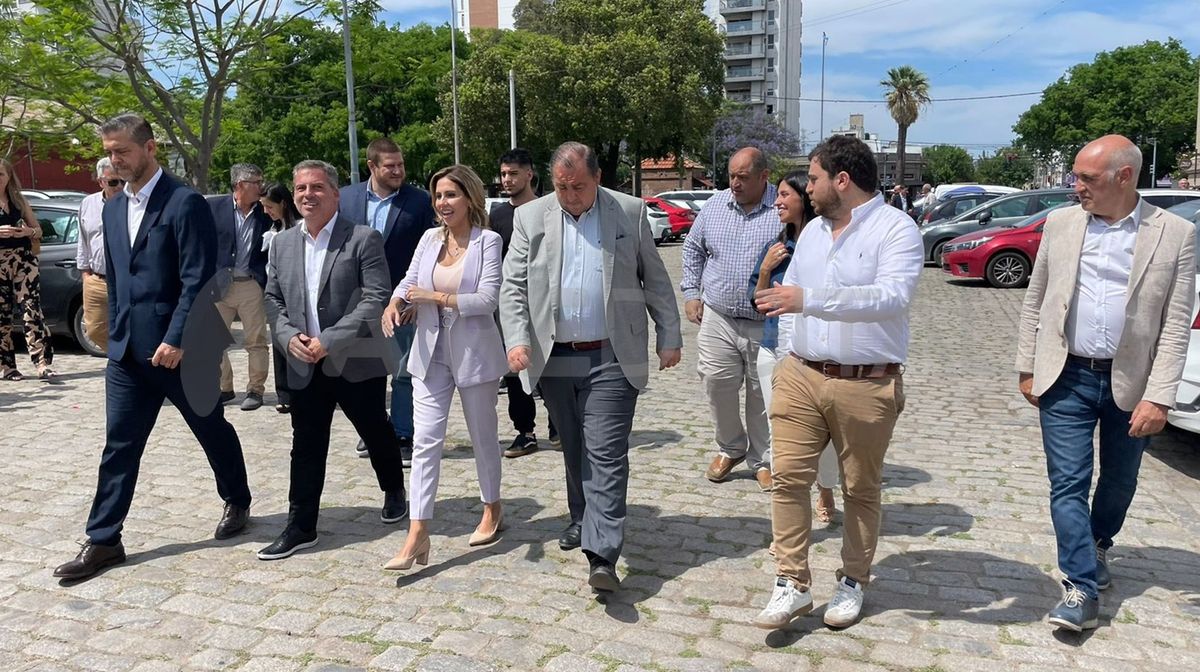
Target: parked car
[
  {"x": 690, "y": 199},
  {"x": 1186, "y": 414},
  {"x": 667, "y": 220},
  {"x": 996, "y": 212},
  {"x": 35, "y": 195},
  {"x": 953, "y": 206},
  {"x": 957, "y": 188},
  {"x": 65, "y": 194},
  {"x": 61, "y": 283}
]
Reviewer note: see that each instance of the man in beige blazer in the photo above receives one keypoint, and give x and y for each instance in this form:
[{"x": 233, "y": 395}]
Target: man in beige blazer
[
  {"x": 1103, "y": 337},
  {"x": 580, "y": 276}
]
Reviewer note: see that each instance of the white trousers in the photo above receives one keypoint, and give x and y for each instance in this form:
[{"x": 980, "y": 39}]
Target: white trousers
[
  {"x": 431, "y": 409},
  {"x": 827, "y": 466}
]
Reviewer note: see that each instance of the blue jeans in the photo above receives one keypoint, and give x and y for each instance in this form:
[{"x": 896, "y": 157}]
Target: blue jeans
[
  {"x": 402, "y": 395},
  {"x": 1070, "y": 410}
]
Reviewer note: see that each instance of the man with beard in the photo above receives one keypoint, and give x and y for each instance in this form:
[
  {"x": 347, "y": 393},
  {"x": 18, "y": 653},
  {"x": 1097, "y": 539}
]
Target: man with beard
[{"x": 850, "y": 284}]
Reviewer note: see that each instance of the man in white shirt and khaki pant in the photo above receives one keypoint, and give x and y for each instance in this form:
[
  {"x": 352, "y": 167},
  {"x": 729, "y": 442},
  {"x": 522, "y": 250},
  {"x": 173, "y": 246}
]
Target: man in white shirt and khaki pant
[
  {"x": 850, "y": 283},
  {"x": 1103, "y": 340},
  {"x": 89, "y": 255}
]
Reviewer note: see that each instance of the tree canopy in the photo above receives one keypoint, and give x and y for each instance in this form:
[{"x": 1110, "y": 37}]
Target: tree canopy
[
  {"x": 1009, "y": 167},
  {"x": 945, "y": 164},
  {"x": 1142, "y": 92},
  {"x": 739, "y": 126}
]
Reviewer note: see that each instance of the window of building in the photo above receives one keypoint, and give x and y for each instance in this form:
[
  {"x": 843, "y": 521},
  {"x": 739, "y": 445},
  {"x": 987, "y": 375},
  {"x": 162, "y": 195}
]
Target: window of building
[
  {"x": 770, "y": 109},
  {"x": 770, "y": 40},
  {"x": 771, "y": 64}
]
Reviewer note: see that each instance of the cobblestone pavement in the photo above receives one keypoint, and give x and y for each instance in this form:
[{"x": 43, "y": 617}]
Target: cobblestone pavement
[{"x": 963, "y": 576}]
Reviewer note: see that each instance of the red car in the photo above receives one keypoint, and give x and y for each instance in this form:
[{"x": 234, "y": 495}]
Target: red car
[
  {"x": 679, "y": 218},
  {"x": 1001, "y": 255}
]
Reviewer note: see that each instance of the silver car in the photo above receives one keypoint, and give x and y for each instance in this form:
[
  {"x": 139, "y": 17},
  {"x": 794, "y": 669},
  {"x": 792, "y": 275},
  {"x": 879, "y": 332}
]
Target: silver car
[{"x": 996, "y": 212}]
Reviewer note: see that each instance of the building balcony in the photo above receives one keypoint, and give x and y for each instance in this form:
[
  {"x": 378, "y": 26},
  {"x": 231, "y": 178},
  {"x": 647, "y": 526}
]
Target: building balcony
[
  {"x": 743, "y": 28},
  {"x": 744, "y": 51},
  {"x": 745, "y": 97},
  {"x": 739, "y": 6},
  {"x": 743, "y": 74}
]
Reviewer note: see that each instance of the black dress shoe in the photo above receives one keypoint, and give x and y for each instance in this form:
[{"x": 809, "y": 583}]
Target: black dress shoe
[
  {"x": 395, "y": 507},
  {"x": 569, "y": 539},
  {"x": 603, "y": 576},
  {"x": 361, "y": 449},
  {"x": 406, "y": 450},
  {"x": 233, "y": 521},
  {"x": 226, "y": 397},
  {"x": 289, "y": 542},
  {"x": 91, "y": 559}
]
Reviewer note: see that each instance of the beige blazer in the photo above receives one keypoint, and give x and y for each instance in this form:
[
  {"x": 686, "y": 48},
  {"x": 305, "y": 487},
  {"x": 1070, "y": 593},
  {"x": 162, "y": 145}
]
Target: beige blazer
[
  {"x": 635, "y": 282},
  {"x": 1154, "y": 341}
]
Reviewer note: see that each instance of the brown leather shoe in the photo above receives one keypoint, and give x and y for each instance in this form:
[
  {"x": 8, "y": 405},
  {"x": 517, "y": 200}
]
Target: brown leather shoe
[
  {"x": 720, "y": 467},
  {"x": 91, "y": 559},
  {"x": 763, "y": 476}
]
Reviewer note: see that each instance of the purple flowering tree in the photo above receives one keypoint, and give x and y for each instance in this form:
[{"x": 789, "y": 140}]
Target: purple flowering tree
[{"x": 740, "y": 126}]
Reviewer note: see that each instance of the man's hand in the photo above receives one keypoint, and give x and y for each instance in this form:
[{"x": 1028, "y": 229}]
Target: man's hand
[
  {"x": 669, "y": 357},
  {"x": 518, "y": 358},
  {"x": 1025, "y": 384},
  {"x": 694, "y": 310},
  {"x": 298, "y": 348},
  {"x": 1148, "y": 418},
  {"x": 778, "y": 300},
  {"x": 316, "y": 349},
  {"x": 166, "y": 355}
]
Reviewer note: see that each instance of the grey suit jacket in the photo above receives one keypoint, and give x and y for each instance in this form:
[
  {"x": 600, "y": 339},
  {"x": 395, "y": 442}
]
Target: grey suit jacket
[
  {"x": 635, "y": 282},
  {"x": 353, "y": 291},
  {"x": 1154, "y": 340}
]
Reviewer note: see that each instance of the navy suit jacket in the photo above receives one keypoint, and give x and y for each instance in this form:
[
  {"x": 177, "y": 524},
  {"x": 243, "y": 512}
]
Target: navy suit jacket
[
  {"x": 160, "y": 287},
  {"x": 226, "y": 223},
  {"x": 410, "y": 215}
]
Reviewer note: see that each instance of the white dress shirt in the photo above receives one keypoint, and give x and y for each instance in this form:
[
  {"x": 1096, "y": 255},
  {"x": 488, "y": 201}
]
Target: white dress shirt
[
  {"x": 857, "y": 289},
  {"x": 581, "y": 280},
  {"x": 1096, "y": 318},
  {"x": 89, "y": 250},
  {"x": 314, "y": 261},
  {"x": 137, "y": 204}
]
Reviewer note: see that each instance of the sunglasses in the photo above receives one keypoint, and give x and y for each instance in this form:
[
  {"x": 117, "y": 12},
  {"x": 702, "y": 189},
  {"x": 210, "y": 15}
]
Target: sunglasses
[{"x": 115, "y": 183}]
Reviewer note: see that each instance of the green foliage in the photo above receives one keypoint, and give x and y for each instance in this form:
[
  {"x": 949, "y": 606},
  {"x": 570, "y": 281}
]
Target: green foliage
[
  {"x": 1009, "y": 167},
  {"x": 945, "y": 164},
  {"x": 1142, "y": 91}
]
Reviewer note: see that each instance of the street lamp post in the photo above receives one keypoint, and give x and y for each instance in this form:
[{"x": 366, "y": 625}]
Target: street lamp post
[
  {"x": 352, "y": 130},
  {"x": 821, "y": 130},
  {"x": 1154, "y": 164},
  {"x": 454, "y": 73}
]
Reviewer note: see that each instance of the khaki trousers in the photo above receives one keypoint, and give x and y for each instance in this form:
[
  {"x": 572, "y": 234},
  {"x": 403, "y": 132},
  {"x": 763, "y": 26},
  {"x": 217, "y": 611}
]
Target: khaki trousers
[
  {"x": 807, "y": 410},
  {"x": 244, "y": 299},
  {"x": 95, "y": 309}
]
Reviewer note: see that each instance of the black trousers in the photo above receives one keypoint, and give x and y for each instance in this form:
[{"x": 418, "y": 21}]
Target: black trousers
[
  {"x": 521, "y": 407},
  {"x": 364, "y": 404},
  {"x": 133, "y": 394},
  {"x": 279, "y": 362}
]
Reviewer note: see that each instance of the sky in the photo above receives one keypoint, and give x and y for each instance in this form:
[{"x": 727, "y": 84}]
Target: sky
[{"x": 968, "y": 48}]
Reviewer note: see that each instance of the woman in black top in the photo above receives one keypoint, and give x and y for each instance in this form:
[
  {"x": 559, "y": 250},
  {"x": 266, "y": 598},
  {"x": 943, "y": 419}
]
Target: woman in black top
[
  {"x": 277, "y": 203},
  {"x": 19, "y": 234}
]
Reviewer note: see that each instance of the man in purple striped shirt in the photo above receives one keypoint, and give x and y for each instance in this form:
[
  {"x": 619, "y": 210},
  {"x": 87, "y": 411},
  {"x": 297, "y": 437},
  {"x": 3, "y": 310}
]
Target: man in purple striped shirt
[{"x": 719, "y": 254}]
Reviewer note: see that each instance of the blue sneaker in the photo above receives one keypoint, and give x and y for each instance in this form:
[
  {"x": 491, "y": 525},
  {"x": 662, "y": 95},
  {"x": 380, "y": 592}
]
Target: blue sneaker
[
  {"x": 1076, "y": 612},
  {"x": 1103, "y": 579}
]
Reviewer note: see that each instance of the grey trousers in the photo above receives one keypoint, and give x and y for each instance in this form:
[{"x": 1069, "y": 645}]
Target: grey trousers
[
  {"x": 592, "y": 405},
  {"x": 727, "y": 361}
]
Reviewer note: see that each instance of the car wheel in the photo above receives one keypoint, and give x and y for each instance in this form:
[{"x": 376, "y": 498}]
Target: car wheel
[
  {"x": 1007, "y": 270},
  {"x": 81, "y": 336},
  {"x": 935, "y": 255}
]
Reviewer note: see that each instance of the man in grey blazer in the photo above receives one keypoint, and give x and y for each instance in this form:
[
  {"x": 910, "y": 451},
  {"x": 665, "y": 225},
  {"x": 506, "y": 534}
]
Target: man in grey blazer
[
  {"x": 327, "y": 285},
  {"x": 1103, "y": 338},
  {"x": 580, "y": 276}
]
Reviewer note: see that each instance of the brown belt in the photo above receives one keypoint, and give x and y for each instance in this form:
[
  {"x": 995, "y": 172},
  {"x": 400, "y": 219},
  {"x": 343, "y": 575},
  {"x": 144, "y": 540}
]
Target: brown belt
[
  {"x": 836, "y": 370},
  {"x": 584, "y": 345}
]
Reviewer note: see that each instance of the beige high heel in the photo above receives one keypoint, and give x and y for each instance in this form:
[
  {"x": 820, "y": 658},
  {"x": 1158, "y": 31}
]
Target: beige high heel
[
  {"x": 483, "y": 538},
  {"x": 420, "y": 556}
]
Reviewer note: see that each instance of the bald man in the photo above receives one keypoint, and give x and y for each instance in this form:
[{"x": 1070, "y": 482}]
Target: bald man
[
  {"x": 1103, "y": 339},
  {"x": 719, "y": 255}
]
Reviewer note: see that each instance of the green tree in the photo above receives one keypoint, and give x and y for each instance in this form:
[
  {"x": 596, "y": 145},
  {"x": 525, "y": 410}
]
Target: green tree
[
  {"x": 1142, "y": 92},
  {"x": 640, "y": 76},
  {"x": 1009, "y": 167},
  {"x": 906, "y": 91},
  {"x": 945, "y": 164},
  {"x": 175, "y": 61}
]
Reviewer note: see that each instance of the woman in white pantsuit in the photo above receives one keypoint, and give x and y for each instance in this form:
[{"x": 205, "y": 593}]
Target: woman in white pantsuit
[{"x": 453, "y": 286}]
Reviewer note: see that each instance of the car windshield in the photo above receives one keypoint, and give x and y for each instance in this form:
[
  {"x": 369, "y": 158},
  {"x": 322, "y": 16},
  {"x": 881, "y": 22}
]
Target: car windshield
[
  {"x": 1034, "y": 218},
  {"x": 1186, "y": 210}
]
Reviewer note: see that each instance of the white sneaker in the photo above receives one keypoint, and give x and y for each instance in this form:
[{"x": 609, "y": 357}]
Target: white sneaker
[
  {"x": 787, "y": 604},
  {"x": 846, "y": 604}
]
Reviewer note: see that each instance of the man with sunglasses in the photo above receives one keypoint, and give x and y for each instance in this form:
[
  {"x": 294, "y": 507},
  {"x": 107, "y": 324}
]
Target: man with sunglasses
[
  {"x": 242, "y": 276},
  {"x": 89, "y": 254}
]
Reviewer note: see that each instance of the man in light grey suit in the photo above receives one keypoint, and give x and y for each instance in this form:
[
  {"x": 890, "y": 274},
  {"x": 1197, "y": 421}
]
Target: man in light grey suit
[
  {"x": 580, "y": 276},
  {"x": 1103, "y": 339},
  {"x": 326, "y": 288}
]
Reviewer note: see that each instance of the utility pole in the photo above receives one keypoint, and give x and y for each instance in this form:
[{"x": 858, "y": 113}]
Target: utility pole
[
  {"x": 1154, "y": 165},
  {"x": 821, "y": 130},
  {"x": 512, "y": 106},
  {"x": 454, "y": 73},
  {"x": 353, "y": 122}
]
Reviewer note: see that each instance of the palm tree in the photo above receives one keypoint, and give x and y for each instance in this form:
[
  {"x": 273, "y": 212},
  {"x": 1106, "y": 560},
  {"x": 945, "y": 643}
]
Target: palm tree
[{"x": 907, "y": 93}]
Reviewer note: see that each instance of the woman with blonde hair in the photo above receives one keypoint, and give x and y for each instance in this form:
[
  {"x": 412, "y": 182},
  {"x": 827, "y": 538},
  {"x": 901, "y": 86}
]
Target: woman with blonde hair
[
  {"x": 451, "y": 290},
  {"x": 20, "y": 236}
]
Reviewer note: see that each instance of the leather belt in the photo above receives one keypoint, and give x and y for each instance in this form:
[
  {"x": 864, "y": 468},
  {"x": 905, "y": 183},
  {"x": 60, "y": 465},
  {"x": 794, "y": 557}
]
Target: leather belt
[
  {"x": 1091, "y": 363},
  {"x": 584, "y": 345},
  {"x": 838, "y": 370}
]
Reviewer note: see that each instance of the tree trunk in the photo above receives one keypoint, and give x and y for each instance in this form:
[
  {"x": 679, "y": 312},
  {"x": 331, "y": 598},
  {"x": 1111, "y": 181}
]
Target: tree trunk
[
  {"x": 637, "y": 173},
  {"x": 900, "y": 153},
  {"x": 609, "y": 157}
]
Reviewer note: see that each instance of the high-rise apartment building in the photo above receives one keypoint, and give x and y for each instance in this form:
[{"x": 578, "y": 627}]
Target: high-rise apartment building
[
  {"x": 485, "y": 14},
  {"x": 762, "y": 56}
]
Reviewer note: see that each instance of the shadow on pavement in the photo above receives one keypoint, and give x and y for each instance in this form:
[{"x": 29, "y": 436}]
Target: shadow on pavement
[
  {"x": 641, "y": 439},
  {"x": 1179, "y": 450}
]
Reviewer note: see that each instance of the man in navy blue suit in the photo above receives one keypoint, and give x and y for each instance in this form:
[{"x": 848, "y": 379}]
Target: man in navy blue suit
[
  {"x": 401, "y": 213},
  {"x": 160, "y": 248},
  {"x": 242, "y": 277}
]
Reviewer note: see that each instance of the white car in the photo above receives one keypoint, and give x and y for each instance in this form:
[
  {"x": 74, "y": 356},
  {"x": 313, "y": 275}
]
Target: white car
[{"x": 1186, "y": 414}]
